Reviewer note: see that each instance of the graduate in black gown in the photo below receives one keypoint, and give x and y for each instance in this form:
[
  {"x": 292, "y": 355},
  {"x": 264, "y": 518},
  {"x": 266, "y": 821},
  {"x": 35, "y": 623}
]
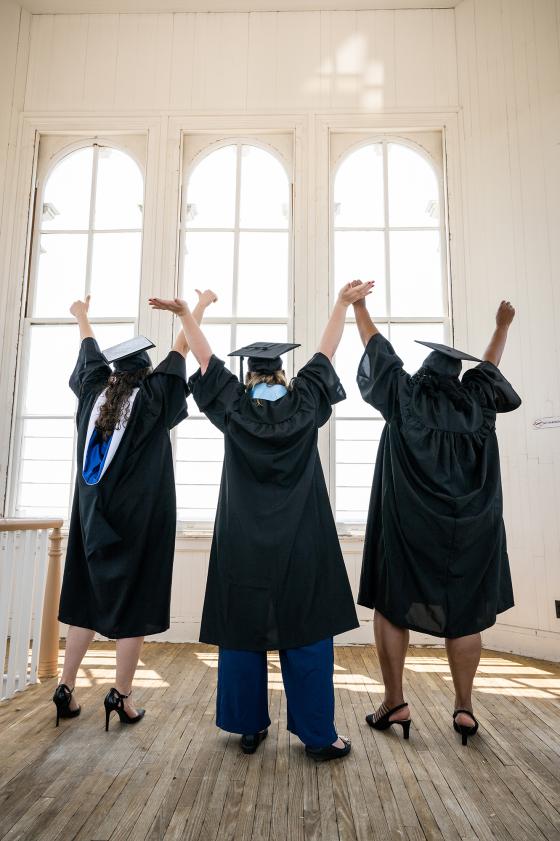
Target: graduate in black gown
[
  {"x": 435, "y": 557},
  {"x": 276, "y": 577},
  {"x": 121, "y": 542}
]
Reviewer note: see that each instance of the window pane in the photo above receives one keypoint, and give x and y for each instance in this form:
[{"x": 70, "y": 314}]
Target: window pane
[
  {"x": 67, "y": 194},
  {"x": 115, "y": 274},
  {"x": 112, "y": 334},
  {"x": 249, "y": 333},
  {"x": 358, "y": 189},
  {"x": 360, "y": 255},
  {"x": 211, "y": 191},
  {"x": 61, "y": 274},
  {"x": 52, "y": 354},
  {"x": 265, "y": 198},
  {"x": 263, "y": 274},
  {"x": 219, "y": 337},
  {"x": 120, "y": 191},
  {"x": 352, "y": 504},
  {"x": 348, "y": 356},
  {"x": 413, "y": 189},
  {"x": 198, "y": 499},
  {"x": 403, "y": 338},
  {"x": 416, "y": 281},
  {"x": 209, "y": 264}
]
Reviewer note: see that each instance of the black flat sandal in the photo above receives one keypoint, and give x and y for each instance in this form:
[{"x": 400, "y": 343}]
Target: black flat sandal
[
  {"x": 61, "y": 698},
  {"x": 329, "y": 752},
  {"x": 381, "y": 722},
  {"x": 250, "y": 741},
  {"x": 464, "y": 729},
  {"x": 114, "y": 702}
]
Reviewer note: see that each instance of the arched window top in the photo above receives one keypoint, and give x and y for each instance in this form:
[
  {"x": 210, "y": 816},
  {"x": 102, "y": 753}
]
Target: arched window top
[
  {"x": 99, "y": 178},
  {"x": 90, "y": 232},
  {"x": 243, "y": 183},
  {"x": 414, "y": 187}
]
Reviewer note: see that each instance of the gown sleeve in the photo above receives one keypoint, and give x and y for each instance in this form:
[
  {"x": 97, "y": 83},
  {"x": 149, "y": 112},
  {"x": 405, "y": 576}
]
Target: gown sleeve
[
  {"x": 490, "y": 388},
  {"x": 321, "y": 380},
  {"x": 216, "y": 391},
  {"x": 91, "y": 371},
  {"x": 168, "y": 383},
  {"x": 381, "y": 375}
]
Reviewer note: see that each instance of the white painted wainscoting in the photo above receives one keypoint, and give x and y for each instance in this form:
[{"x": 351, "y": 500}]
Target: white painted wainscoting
[{"x": 486, "y": 73}]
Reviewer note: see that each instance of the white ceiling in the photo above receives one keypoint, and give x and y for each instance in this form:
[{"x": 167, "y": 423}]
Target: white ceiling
[{"x": 77, "y": 6}]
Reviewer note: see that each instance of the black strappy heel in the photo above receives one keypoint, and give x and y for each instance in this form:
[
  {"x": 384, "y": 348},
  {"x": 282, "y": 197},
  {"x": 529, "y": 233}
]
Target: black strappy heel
[
  {"x": 114, "y": 702},
  {"x": 464, "y": 729},
  {"x": 383, "y": 723},
  {"x": 61, "y": 698}
]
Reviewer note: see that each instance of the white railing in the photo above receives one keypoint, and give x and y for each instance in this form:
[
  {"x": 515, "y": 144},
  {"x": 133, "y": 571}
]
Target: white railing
[{"x": 29, "y": 588}]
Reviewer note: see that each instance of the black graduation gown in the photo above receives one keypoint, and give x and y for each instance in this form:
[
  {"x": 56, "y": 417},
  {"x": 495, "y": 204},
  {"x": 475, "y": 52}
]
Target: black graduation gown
[
  {"x": 435, "y": 557},
  {"x": 276, "y": 576},
  {"x": 121, "y": 543}
]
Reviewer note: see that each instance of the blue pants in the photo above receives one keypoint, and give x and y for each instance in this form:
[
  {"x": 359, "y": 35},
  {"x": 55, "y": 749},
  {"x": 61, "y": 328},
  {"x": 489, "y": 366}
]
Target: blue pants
[{"x": 307, "y": 672}]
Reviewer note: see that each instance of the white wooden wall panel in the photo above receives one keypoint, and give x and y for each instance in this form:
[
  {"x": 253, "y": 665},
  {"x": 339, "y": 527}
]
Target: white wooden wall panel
[
  {"x": 254, "y": 61},
  {"x": 508, "y": 56}
]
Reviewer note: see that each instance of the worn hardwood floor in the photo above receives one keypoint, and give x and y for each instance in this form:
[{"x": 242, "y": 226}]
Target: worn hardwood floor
[{"x": 175, "y": 776}]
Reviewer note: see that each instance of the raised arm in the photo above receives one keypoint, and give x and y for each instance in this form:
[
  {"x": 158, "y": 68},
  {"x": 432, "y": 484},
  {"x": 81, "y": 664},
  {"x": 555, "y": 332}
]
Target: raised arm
[
  {"x": 348, "y": 295},
  {"x": 79, "y": 310},
  {"x": 364, "y": 322},
  {"x": 204, "y": 300},
  {"x": 495, "y": 349},
  {"x": 196, "y": 339}
]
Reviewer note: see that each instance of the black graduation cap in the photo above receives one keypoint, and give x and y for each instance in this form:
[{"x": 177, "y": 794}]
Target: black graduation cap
[
  {"x": 453, "y": 352},
  {"x": 264, "y": 357},
  {"x": 130, "y": 355}
]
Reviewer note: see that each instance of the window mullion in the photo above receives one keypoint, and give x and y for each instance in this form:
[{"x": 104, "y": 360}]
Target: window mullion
[
  {"x": 236, "y": 236},
  {"x": 387, "y": 239},
  {"x": 91, "y": 222}
]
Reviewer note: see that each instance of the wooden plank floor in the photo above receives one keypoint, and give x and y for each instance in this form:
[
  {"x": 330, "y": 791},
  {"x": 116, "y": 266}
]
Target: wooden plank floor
[{"x": 175, "y": 776}]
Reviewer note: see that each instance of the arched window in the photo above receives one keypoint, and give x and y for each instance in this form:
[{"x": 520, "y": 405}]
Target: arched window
[
  {"x": 87, "y": 239},
  {"x": 388, "y": 225},
  {"x": 236, "y": 239}
]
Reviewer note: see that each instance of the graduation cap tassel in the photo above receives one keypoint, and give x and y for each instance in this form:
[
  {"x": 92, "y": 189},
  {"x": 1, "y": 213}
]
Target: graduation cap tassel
[{"x": 241, "y": 369}]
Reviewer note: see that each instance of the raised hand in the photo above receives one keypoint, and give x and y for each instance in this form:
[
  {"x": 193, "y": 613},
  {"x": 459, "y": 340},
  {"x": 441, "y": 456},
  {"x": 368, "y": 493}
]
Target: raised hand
[
  {"x": 206, "y": 298},
  {"x": 505, "y": 314},
  {"x": 175, "y": 305},
  {"x": 79, "y": 309},
  {"x": 355, "y": 291}
]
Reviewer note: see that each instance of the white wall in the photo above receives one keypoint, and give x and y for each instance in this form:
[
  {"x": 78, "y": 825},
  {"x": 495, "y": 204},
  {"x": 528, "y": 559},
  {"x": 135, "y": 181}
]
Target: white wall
[
  {"x": 509, "y": 88},
  {"x": 14, "y": 38},
  {"x": 496, "y": 63}
]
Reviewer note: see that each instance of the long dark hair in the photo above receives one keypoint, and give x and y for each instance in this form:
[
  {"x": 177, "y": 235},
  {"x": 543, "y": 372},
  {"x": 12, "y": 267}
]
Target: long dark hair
[
  {"x": 432, "y": 383},
  {"x": 115, "y": 411}
]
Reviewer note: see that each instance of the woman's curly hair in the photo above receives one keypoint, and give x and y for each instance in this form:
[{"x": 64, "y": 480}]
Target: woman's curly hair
[
  {"x": 115, "y": 411},
  {"x": 433, "y": 383}
]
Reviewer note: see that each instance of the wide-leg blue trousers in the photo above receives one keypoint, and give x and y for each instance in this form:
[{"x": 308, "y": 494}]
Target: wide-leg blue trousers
[{"x": 307, "y": 672}]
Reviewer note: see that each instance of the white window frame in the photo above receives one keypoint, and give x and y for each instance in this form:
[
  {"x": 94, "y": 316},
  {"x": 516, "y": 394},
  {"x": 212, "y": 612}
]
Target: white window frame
[
  {"x": 389, "y": 127},
  {"x": 80, "y": 132},
  {"x": 212, "y": 144},
  {"x": 222, "y": 131}
]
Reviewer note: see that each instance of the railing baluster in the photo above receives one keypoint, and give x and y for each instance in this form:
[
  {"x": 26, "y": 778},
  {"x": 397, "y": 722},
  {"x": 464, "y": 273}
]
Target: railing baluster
[
  {"x": 40, "y": 574},
  {"x": 50, "y": 628},
  {"x": 29, "y": 593},
  {"x": 17, "y": 608},
  {"x": 7, "y": 565}
]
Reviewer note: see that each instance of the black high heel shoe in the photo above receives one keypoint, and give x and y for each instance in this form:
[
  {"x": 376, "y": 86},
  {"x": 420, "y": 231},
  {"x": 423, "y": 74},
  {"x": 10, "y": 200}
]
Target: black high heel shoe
[
  {"x": 383, "y": 723},
  {"x": 61, "y": 698},
  {"x": 464, "y": 729},
  {"x": 114, "y": 702}
]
